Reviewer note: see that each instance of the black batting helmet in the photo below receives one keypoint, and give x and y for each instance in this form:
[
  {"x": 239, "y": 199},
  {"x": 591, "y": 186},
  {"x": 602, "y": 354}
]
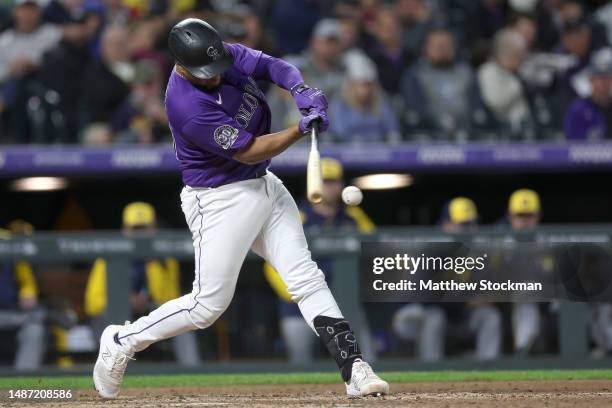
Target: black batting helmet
[{"x": 197, "y": 46}]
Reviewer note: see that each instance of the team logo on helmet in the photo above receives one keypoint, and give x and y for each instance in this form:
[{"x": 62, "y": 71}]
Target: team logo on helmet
[
  {"x": 225, "y": 136},
  {"x": 213, "y": 53}
]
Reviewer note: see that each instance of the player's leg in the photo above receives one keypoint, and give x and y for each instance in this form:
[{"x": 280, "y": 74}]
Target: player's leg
[
  {"x": 486, "y": 323},
  {"x": 30, "y": 336},
  {"x": 283, "y": 244},
  {"x": 298, "y": 339},
  {"x": 224, "y": 222},
  {"x": 185, "y": 347},
  {"x": 432, "y": 335},
  {"x": 525, "y": 326}
]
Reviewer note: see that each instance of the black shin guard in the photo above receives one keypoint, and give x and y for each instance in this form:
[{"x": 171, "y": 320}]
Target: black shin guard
[{"x": 340, "y": 340}]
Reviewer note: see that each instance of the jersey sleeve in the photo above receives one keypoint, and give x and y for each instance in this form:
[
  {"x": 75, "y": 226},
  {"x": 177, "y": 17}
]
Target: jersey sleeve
[
  {"x": 245, "y": 58},
  {"x": 217, "y": 133}
]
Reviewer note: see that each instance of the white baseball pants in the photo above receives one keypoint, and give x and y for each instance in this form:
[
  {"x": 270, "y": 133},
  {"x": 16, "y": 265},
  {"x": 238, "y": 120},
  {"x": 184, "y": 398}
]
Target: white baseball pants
[{"x": 226, "y": 222}]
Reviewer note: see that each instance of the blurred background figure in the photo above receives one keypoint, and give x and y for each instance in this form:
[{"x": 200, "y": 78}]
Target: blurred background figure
[
  {"x": 19, "y": 307},
  {"x": 500, "y": 85},
  {"x": 322, "y": 63},
  {"x": 417, "y": 18},
  {"x": 362, "y": 112},
  {"x": 524, "y": 213},
  {"x": 293, "y": 20},
  {"x": 590, "y": 118},
  {"x": 62, "y": 71},
  {"x": 430, "y": 325},
  {"x": 386, "y": 50},
  {"x": 107, "y": 82},
  {"x": 579, "y": 40},
  {"x": 153, "y": 282},
  {"x": 331, "y": 214},
  {"x": 436, "y": 88},
  {"x": 141, "y": 118},
  {"x": 21, "y": 51}
]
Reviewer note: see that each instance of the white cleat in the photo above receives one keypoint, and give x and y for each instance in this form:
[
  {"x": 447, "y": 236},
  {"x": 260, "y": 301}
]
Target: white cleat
[
  {"x": 365, "y": 382},
  {"x": 111, "y": 364}
]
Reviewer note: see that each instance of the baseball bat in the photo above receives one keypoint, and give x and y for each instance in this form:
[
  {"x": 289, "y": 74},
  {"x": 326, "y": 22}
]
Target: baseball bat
[{"x": 314, "y": 181}]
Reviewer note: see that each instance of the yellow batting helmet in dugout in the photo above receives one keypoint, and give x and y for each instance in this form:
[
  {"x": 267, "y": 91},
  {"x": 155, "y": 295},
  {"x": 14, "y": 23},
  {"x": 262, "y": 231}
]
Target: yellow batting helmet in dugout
[
  {"x": 331, "y": 169},
  {"x": 462, "y": 210},
  {"x": 524, "y": 201},
  {"x": 138, "y": 214}
]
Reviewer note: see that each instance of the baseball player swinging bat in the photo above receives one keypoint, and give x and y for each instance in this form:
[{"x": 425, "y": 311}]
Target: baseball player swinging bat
[
  {"x": 314, "y": 181},
  {"x": 220, "y": 122}
]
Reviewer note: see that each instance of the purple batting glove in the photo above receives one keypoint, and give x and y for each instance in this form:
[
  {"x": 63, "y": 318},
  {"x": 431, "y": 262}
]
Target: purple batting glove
[
  {"x": 307, "y": 98},
  {"x": 307, "y": 121}
]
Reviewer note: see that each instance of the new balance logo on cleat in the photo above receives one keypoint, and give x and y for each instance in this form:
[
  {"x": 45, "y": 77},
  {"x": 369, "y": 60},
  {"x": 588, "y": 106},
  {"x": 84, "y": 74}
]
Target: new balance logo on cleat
[{"x": 111, "y": 364}]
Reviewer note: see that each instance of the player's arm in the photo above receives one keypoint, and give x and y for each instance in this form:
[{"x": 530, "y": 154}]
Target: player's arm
[
  {"x": 218, "y": 133},
  {"x": 267, "y": 146},
  {"x": 262, "y": 66},
  {"x": 282, "y": 73}
]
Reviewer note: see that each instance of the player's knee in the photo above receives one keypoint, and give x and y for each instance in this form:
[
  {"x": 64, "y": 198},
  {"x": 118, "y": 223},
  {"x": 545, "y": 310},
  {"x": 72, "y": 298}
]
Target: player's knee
[{"x": 207, "y": 311}]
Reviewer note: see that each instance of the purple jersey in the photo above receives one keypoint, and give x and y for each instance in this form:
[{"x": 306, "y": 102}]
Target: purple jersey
[
  {"x": 585, "y": 120},
  {"x": 209, "y": 128}
]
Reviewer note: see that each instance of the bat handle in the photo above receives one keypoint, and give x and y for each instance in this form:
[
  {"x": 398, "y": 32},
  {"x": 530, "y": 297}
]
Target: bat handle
[{"x": 314, "y": 133}]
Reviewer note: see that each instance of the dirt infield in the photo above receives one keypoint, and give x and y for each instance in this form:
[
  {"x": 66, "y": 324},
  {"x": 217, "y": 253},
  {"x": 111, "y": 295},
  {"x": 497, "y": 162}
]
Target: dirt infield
[{"x": 532, "y": 394}]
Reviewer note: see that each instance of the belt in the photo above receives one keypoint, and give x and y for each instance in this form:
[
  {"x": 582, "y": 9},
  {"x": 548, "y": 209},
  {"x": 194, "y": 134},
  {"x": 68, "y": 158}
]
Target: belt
[{"x": 256, "y": 175}]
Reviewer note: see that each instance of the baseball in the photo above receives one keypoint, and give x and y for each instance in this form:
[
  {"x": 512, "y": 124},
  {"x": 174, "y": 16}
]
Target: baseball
[{"x": 351, "y": 195}]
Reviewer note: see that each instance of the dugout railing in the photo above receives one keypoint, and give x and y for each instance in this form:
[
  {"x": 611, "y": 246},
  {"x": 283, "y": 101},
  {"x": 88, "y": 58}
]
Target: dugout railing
[{"x": 119, "y": 250}]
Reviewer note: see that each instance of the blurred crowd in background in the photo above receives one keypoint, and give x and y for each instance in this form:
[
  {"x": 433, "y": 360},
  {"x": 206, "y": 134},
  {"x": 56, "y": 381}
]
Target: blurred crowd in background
[{"x": 94, "y": 71}]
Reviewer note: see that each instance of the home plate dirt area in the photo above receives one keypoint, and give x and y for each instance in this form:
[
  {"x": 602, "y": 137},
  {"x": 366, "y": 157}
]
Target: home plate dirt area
[{"x": 532, "y": 394}]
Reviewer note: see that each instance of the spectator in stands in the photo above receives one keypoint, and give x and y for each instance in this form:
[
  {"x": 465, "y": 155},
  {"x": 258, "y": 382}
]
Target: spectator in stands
[
  {"x": 524, "y": 213},
  {"x": 577, "y": 41},
  {"x": 322, "y": 63},
  {"x": 19, "y": 307},
  {"x": 144, "y": 38},
  {"x": 591, "y": 118},
  {"x": 22, "y": 47},
  {"x": 386, "y": 50},
  {"x": 553, "y": 15},
  {"x": 153, "y": 282},
  {"x": 436, "y": 90},
  {"x": 481, "y": 20},
  {"x": 254, "y": 35},
  {"x": 329, "y": 215},
  {"x": 604, "y": 17},
  {"x": 362, "y": 113},
  {"x": 61, "y": 12},
  {"x": 106, "y": 82},
  {"x": 417, "y": 19},
  {"x": 292, "y": 21},
  {"x": 141, "y": 118},
  {"x": 526, "y": 26},
  {"x": 21, "y": 51},
  {"x": 116, "y": 12},
  {"x": 500, "y": 85},
  {"x": 62, "y": 71}
]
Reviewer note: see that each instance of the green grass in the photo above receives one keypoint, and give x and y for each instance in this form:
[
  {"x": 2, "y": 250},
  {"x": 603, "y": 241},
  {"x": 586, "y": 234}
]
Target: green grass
[{"x": 80, "y": 382}]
